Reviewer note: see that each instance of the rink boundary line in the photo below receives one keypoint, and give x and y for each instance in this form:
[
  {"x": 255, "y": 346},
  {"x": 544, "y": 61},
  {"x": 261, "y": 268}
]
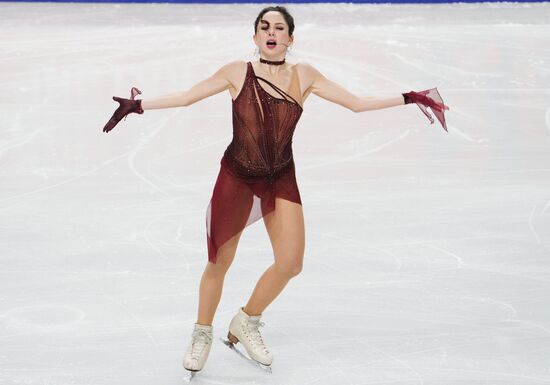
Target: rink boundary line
[{"x": 381, "y": 2}]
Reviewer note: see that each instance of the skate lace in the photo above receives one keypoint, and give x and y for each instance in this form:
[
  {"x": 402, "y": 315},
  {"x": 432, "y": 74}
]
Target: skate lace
[
  {"x": 201, "y": 339},
  {"x": 255, "y": 335}
]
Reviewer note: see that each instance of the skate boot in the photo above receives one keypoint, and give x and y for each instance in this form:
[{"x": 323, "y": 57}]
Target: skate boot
[
  {"x": 245, "y": 329},
  {"x": 199, "y": 348}
]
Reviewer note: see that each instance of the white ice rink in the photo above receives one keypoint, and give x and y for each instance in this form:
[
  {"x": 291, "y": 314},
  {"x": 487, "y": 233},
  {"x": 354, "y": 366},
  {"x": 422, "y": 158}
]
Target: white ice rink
[{"x": 427, "y": 255}]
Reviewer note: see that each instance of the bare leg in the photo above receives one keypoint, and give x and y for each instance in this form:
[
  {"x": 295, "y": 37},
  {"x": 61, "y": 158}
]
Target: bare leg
[
  {"x": 285, "y": 227},
  {"x": 212, "y": 281}
]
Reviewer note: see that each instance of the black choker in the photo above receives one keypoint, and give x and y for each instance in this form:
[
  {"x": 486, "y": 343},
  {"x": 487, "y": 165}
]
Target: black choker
[{"x": 272, "y": 62}]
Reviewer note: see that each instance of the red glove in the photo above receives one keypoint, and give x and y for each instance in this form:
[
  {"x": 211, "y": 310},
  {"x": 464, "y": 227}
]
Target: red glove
[
  {"x": 428, "y": 98},
  {"x": 126, "y": 106}
]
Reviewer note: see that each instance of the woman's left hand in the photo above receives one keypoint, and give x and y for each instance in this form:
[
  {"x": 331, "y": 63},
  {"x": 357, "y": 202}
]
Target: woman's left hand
[{"x": 428, "y": 98}]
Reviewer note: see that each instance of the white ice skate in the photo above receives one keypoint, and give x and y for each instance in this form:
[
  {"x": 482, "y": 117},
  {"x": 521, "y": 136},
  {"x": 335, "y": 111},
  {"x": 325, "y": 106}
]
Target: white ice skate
[
  {"x": 245, "y": 329},
  {"x": 199, "y": 348}
]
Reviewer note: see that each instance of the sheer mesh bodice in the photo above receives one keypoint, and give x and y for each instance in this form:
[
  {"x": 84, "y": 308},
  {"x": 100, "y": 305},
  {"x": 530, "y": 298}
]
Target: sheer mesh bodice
[
  {"x": 262, "y": 130},
  {"x": 258, "y": 164}
]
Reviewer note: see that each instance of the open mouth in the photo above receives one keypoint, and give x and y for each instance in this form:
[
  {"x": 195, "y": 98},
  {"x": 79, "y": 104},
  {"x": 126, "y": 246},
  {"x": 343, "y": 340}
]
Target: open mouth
[{"x": 271, "y": 44}]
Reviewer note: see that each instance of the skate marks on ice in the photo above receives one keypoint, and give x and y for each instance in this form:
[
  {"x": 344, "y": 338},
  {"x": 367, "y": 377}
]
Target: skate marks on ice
[{"x": 78, "y": 214}]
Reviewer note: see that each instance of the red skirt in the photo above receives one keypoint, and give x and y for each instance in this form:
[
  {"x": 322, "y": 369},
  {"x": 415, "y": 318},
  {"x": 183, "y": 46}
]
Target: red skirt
[{"x": 240, "y": 201}]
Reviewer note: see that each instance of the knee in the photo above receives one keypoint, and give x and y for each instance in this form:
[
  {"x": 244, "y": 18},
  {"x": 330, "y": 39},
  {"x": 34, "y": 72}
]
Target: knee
[
  {"x": 289, "y": 269},
  {"x": 218, "y": 269}
]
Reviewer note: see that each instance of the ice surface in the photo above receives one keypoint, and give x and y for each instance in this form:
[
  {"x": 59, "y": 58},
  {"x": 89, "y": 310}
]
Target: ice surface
[{"x": 427, "y": 253}]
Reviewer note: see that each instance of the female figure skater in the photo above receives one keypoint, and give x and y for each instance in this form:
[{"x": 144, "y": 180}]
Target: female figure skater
[{"x": 256, "y": 177}]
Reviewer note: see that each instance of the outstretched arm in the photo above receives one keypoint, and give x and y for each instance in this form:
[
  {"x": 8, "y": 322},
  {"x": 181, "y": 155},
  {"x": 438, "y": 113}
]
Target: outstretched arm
[
  {"x": 331, "y": 91},
  {"x": 216, "y": 83},
  {"x": 334, "y": 92}
]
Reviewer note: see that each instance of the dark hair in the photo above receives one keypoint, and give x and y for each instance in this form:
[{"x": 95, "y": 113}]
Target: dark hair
[{"x": 288, "y": 18}]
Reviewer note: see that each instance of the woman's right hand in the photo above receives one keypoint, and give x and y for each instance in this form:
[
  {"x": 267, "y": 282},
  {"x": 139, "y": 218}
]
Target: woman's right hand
[{"x": 126, "y": 106}]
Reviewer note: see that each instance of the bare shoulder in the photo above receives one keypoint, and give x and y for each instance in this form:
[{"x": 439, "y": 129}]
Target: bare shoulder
[
  {"x": 233, "y": 74},
  {"x": 307, "y": 74},
  {"x": 303, "y": 66},
  {"x": 235, "y": 66},
  {"x": 234, "y": 70},
  {"x": 307, "y": 70}
]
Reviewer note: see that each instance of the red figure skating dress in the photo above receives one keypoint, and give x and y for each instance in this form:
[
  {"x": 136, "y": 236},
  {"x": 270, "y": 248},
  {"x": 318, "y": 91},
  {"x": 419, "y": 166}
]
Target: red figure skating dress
[{"x": 258, "y": 164}]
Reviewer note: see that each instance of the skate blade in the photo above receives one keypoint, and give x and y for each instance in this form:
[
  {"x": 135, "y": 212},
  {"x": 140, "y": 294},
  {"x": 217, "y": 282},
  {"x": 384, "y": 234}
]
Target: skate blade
[
  {"x": 190, "y": 376},
  {"x": 265, "y": 368}
]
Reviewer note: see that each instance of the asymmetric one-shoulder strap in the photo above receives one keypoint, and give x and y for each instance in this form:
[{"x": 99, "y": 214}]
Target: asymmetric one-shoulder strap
[{"x": 285, "y": 95}]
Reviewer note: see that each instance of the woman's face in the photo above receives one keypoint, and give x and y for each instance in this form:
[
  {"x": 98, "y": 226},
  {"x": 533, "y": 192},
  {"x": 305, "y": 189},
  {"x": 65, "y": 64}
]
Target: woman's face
[{"x": 272, "y": 28}]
